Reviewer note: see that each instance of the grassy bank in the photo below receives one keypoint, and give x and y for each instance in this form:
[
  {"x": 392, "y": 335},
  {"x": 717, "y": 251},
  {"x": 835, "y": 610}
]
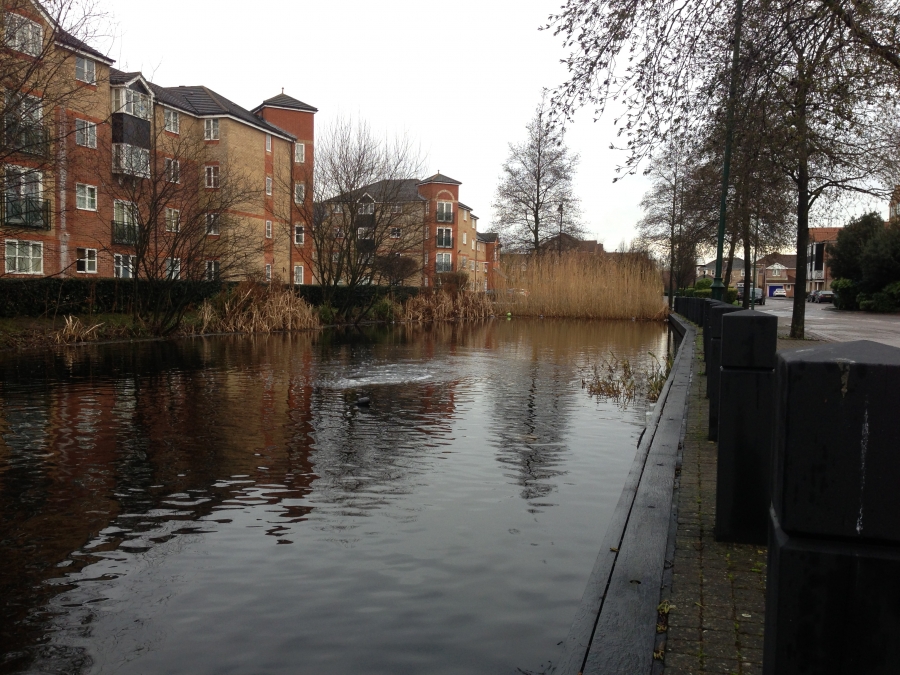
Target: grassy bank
[{"x": 584, "y": 287}]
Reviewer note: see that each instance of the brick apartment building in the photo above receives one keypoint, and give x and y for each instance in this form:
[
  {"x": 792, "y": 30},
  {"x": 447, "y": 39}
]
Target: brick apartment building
[
  {"x": 133, "y": 178},
  {"x": 174, "y": 179}
]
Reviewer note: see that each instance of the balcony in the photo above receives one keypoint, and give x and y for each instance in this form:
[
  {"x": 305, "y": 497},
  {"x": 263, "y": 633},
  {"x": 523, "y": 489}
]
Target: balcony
[
  {"x": 444, "y": 239},
  {"x": 28, "y": 212},
  {"x": 815, "y": 275},
  {"x": 124, "y": 233},
  {"x": 27, "y": 138}
]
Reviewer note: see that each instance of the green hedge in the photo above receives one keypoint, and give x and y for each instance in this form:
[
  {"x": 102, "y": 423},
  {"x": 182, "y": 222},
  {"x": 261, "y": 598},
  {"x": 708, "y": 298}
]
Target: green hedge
[{"x": 61, "y": 296}]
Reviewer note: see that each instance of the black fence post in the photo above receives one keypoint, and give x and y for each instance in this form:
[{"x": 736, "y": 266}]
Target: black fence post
[
  {"x": 746, "y": 392},
  {"x": 714, "y": 362},
  {"x": 833, "y": 587}
]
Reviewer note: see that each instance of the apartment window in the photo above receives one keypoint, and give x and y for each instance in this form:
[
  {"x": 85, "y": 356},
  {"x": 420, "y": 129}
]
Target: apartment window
[
  {"x": 395, "y": 233},
  {"x": 268, "y": 273},
  {"x": 131, "y": 102},
  {"x": 365, "y": 233},
  {"x": 87, "y": 260},
  {"x": 85, "y": 70},
  {"x": 298, "y": 275},
  {"x": 131, "y": 160},
  {"x": 445, "y": 212},
  {"x": 299, "y": 235},
  {"x": 465, "y": 215},
  {"x": 776, "y": 272},
  {"x": 268, "y": 229},
  {"x": 268, "y": 142},
  {"x": 337, "y": 208},
  {"x": 427, "y": 208},
  {"x": 485, "y": 268},
  {"x": 367, "y": 209},
  {"x": 124, "y": 265},
  {"x": 85, "y": 133},
  {"x": 212, "y": 270},
  {"x": 299, "y": 153},
  {"x": 85, "y": 197},
  {"x": 443, "y": 263},
  {"x": 444, "y": 237},
  {"x": 396, "y": 208},
  {"x": 742, "y": 273},
  {"x": 268, "y": 185},
  {"x": 473, "y": 244},
  {"x": 173, "y": 268},
  {"x": 212, "y": 176},
  {"x": 172, "y": 120},
  {"x": 211, "y": 130},
  {"x": 335, "y": 257},
  {"x": 471, "y": 265},
  {"x": 173, "y": 220},
  {"x": 24, "y": 257},
  {"x": 464, "y": 239},
  {"x": 299, "y": 192},
  {"x": 24, "y": 35},
  {"x": 339, "y": 233},
  {"x": 212, "y": 223},
  {"x": 173, "y": 170}
]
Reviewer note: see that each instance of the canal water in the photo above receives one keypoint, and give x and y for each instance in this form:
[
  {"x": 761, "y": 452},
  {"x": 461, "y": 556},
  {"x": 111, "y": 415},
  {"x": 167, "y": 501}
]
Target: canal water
[{"x": 224, "y": 505}]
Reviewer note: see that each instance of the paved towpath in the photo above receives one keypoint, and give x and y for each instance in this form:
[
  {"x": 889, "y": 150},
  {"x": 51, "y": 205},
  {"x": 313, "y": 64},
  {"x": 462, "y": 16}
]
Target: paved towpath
[{"x": 718, "y": 590}]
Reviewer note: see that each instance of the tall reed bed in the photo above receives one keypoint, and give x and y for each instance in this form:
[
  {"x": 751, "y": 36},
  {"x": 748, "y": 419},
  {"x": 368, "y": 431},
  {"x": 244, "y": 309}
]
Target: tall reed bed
[
  {"x": 611, "y": 286},
  {"x": 447, "y": 306},
  {"x": 256, "y": 308}
]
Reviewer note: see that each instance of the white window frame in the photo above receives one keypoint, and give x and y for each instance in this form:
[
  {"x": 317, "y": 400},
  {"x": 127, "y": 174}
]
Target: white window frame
[
  {"x": 213, "y": 224},
  {"x": 447, "y": 236},
  {"x": 212, "y": 176},
  {"x": 299, "y": 153},
  {"x": 268, "y": 272},
  {"x": 299, "y": 192},
  {"x": 268, "y": 142},
  {"x": 269, "y": 185},
  {"x": 85, "y": 197},
  {"x": 396, "y": 208},
  {"x": 86, "y": 260},
  {"x": 367, "y": 208},
  {"x": 173, "y": 220},
  {"x": 395, "y": 233},
  {"x": 172, "y": 120},
  {"x": 212, "y": 270},
  {"x": 299, "y": 235},
  {"x": 173, "y": 170},
  {"x": 87, "y": 68},
  {"x": 268, "y": 229},
  {"x": 444, "y": 212},
  {"x": 473, "y": 244},
  {"x": 13, "y": 264},
  {"x": 131, "y": 102},
  {"x": 298, "y": 275},
  {"x": 173, "y": 268},
  {"x": 131, "y": 160},
  {"x": 211, "y": 129},
  {"x": 23, "y": 34},
  {"x": 443, "y": 262},
  {"x": 124, "y": 265},
  {"x": 85, "y": 134},
  {"x": 465, "y": 241}
]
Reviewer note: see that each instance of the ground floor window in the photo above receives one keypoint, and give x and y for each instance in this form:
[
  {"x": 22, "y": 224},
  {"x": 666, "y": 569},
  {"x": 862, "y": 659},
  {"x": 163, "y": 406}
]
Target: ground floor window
[
  {"x": 24, "y": 257},
  {"x": 212, "y": 270},
  {"x": 87, "y": 261},
  {"x": 124, "y": 265},
  {"x": 173, "y": 268},
  {"x": 299, "y": 235},
  {"x": 298, "y": 275},
  {"x": 268, "y": 273},
  {"x": 443, "y": 263}
]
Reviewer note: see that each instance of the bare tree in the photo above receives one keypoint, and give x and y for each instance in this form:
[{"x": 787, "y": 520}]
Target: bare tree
[
  {"x": 175, "y": 222},
  {"x": 42, "y": 77},
  {"x": 535, "y": 199},
  {"x": 365, "y": 218}
]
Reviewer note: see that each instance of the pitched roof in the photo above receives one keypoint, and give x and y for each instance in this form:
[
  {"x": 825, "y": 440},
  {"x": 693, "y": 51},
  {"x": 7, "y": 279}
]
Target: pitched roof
[
  {"x": 737, "y": 265},
  {"x": 440, "y": 178},
  {"x": 282, "y": 100},
  {"x": 463, "y": 206},
  {"x": 66, "y": 39},
  {"x": 817, "y": 234},
  {"x": 783, "y": 259},
  {"x": 118, "y": 77},
  {"x": 389, "y": 190},
  {"x": 488, "y": 237}
]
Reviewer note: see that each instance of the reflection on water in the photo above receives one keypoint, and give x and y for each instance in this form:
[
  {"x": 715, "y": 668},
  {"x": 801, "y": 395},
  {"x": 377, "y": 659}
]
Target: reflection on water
[{"x": 224, "y": 505}]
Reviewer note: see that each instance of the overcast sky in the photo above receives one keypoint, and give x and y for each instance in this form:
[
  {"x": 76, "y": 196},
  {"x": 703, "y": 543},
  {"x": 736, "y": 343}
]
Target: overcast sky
[{"x": 461, "y": 78}]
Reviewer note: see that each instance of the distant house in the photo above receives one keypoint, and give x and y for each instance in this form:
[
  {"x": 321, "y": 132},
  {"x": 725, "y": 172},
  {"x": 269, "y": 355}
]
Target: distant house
[
  {"x": 776, "y": 271},
  {"x": 737, "y": 271},
  {"x": 818, "y": 276},
  {"x": 565, "y": 243}
]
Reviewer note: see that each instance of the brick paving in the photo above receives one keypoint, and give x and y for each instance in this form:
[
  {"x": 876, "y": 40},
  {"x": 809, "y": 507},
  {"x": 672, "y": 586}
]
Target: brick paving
[{"x": 718, "y": 590}]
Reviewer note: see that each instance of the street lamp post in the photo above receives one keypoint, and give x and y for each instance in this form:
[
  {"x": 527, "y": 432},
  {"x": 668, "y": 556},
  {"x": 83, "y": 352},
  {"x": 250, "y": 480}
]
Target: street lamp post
[{"x": 559, "y": 237}]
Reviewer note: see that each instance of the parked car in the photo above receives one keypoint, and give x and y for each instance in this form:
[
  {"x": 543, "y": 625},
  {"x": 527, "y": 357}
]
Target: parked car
[
  {"x": 779, "y": 293},
  {"x": 759, "y": 297},
  {"x": 825, "y": 296},
  {"x": 812, "y": 296}
]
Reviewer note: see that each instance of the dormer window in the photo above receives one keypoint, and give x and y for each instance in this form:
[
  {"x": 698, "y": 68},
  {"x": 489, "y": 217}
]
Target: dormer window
[
  {"x": 367, "y": 208},
  {"x": 211, "y": 130},
  {"x": 85, "y": 70},
  {"x": 131, "y": 102},
  {"x": 24, "y": 35}
]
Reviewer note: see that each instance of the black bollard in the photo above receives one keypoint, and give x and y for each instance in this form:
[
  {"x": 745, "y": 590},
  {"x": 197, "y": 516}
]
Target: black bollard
[
  {"x": 833, "y": 587},
  {"x": 714, "y": 362},
  {"x": 746, "y": 392},
  {"x": 707, "y": 332}
]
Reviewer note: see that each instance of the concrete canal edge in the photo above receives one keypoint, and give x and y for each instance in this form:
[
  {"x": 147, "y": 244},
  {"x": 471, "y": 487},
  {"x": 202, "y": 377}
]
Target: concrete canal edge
[{"x": 614, "y": 630}]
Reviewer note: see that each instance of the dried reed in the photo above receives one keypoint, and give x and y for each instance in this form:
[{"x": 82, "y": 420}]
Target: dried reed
[
  {"x": 612, "y": 286},
  {"x": 256, "y": 308},
  {"x": 444, "y": 306},
  {"x": 618, "y": 380},
  {"x": 75, "y": 331}
]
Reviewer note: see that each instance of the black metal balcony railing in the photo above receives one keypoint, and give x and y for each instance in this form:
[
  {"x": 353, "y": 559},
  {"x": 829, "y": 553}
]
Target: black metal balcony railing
[
  {"x": 444, "y": 240},
  {"x": 26, "y": 137},
  {"x": 27, "y": 212},
  {"x": 124, "y": 233}
]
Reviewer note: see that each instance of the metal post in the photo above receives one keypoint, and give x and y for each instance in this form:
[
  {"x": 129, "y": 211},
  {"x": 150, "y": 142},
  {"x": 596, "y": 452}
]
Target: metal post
[
  {"x": 718, "y": 288},
  {"x": 559, "y": 238},
  {"x": 755, "y": 256}
]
